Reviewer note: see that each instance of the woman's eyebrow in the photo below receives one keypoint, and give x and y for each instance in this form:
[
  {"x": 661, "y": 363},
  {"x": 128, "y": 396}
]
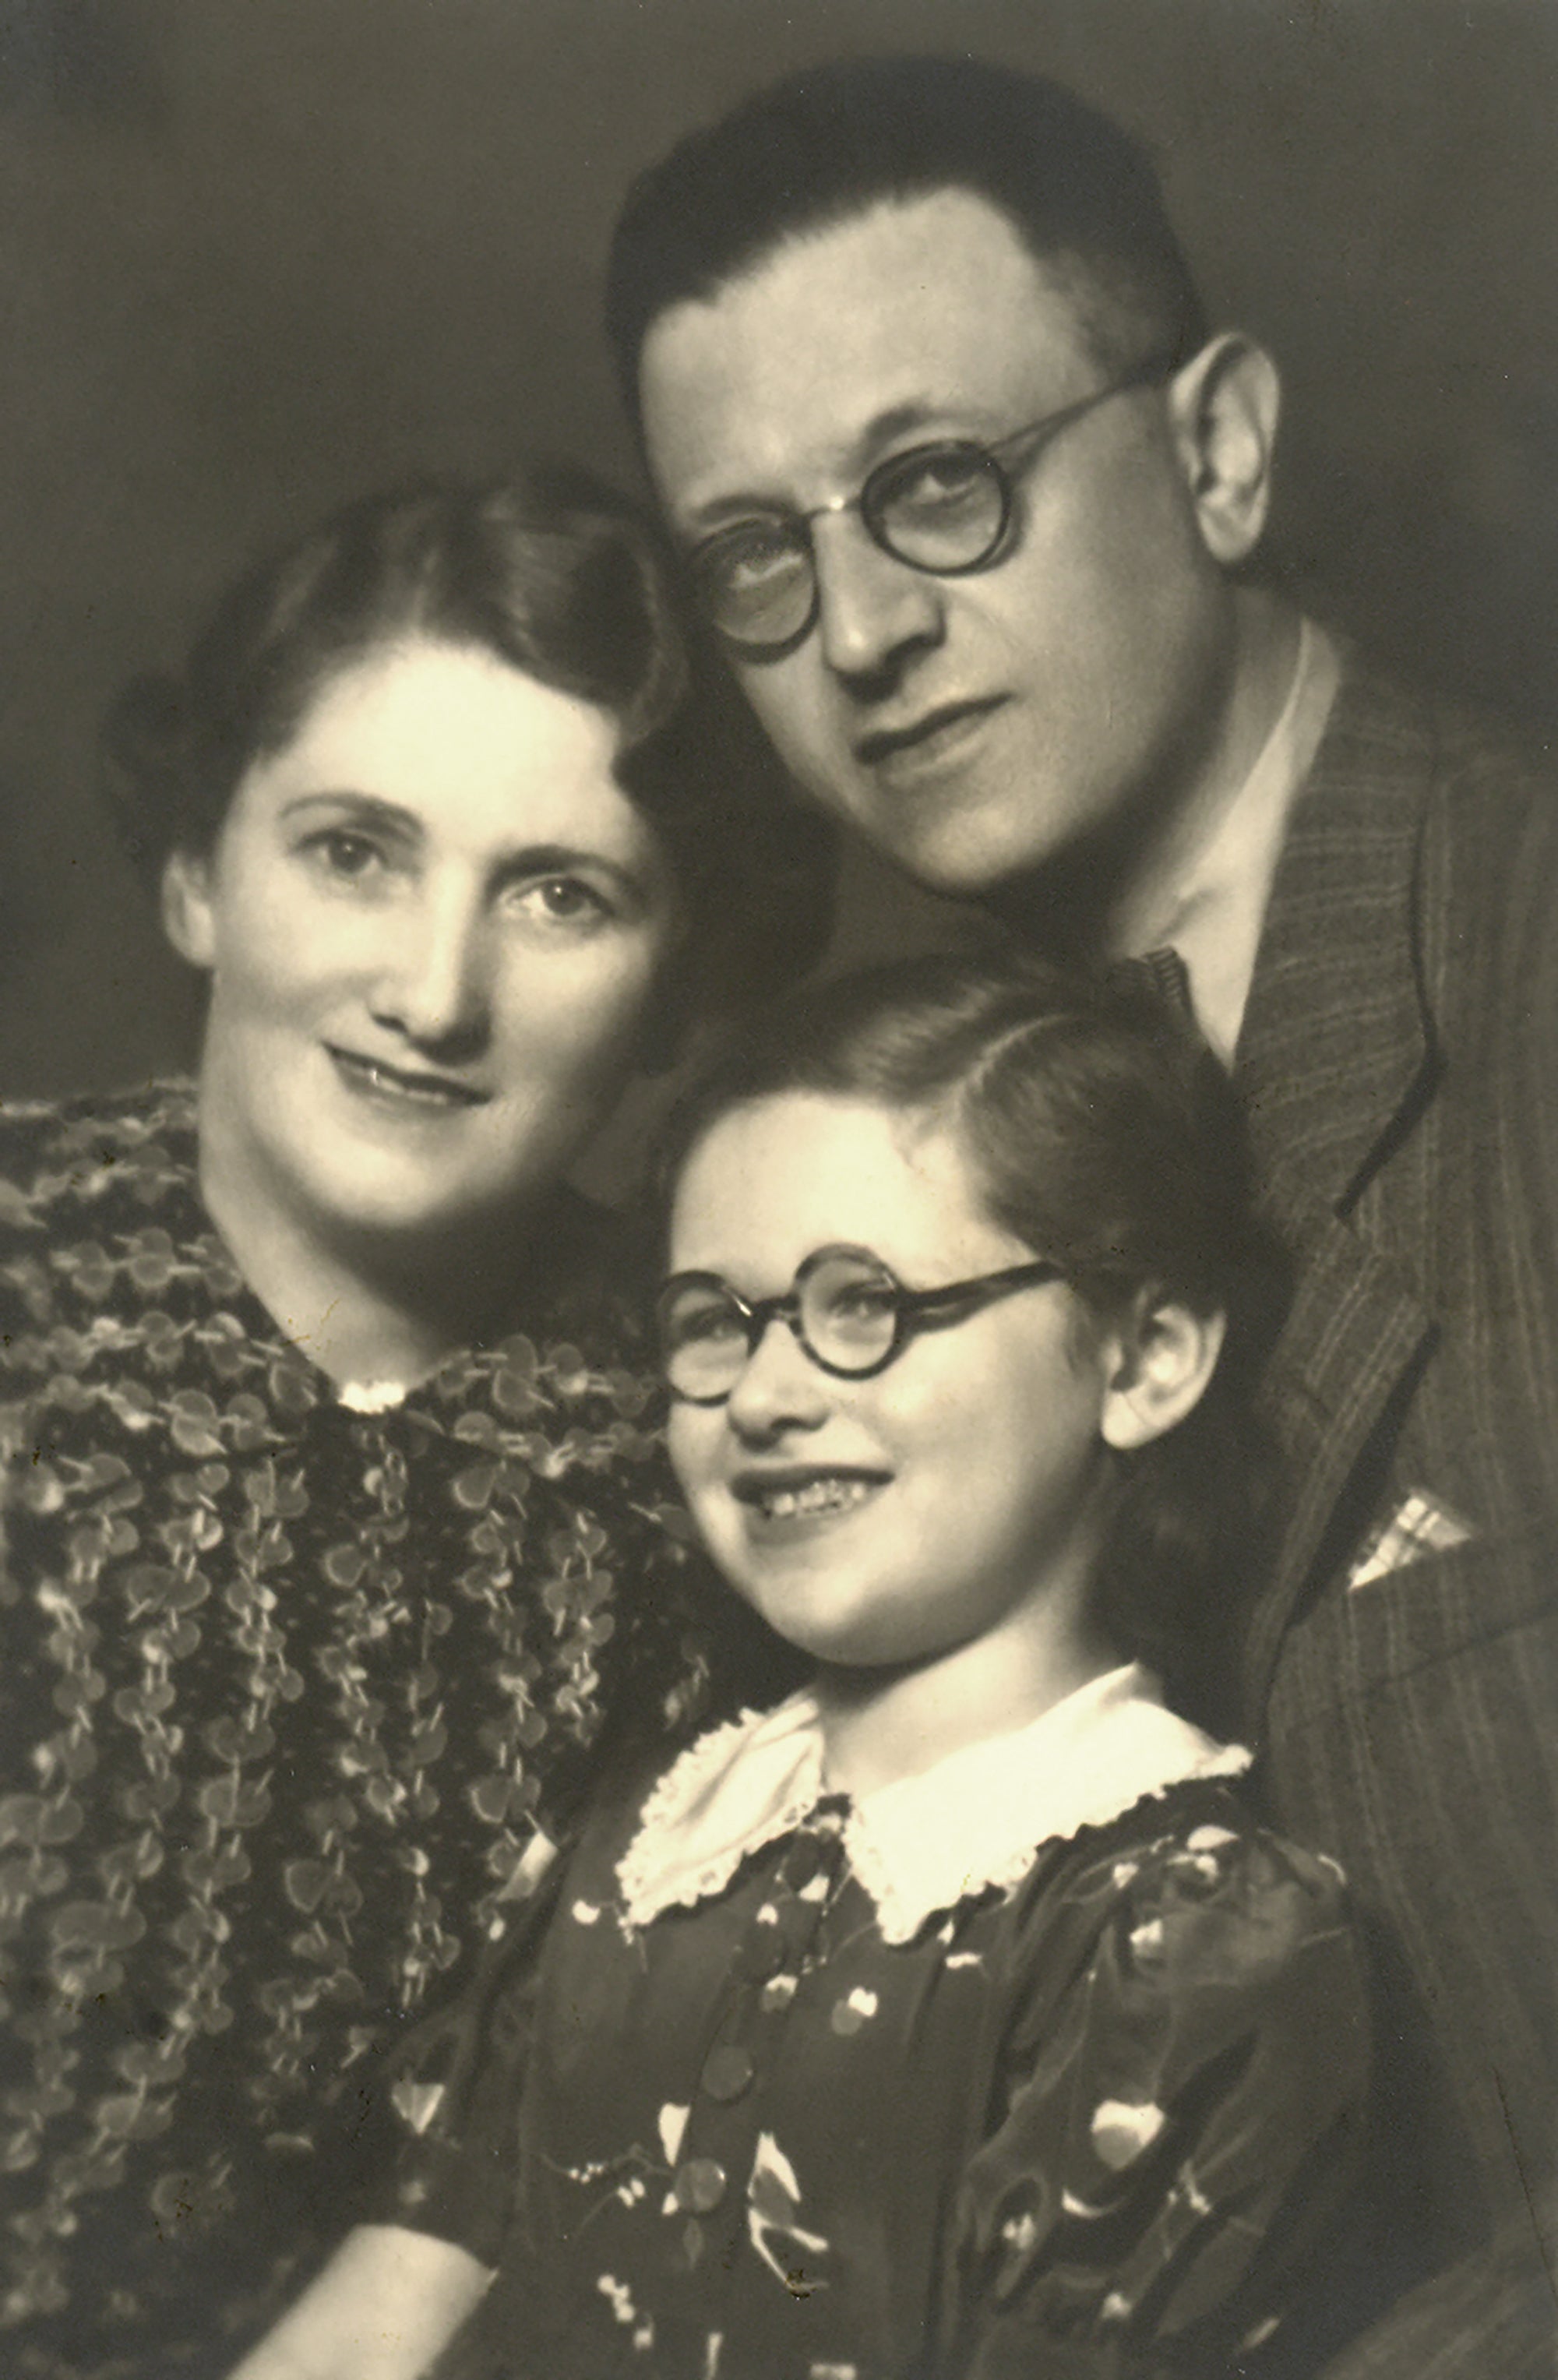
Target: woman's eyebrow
[
  {"x": 566, "y": 859},
  {"x": 366, "y": 810}
]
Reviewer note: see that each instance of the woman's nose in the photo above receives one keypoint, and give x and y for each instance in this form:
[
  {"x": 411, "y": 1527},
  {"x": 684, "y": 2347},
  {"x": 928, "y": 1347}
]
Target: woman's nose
[
  {"x": 779, "y": 1387},
  {"x": 435, "y": 987},
  {"x": 873, "y": 610}
]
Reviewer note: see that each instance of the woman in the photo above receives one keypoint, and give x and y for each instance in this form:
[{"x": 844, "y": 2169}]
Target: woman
[{"x": 312, "y": 1613}]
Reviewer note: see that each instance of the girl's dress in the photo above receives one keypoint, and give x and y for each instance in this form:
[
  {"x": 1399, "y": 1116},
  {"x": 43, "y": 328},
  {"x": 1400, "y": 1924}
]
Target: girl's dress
[
  {"x": 286, "y": 1687},
  {"x": 1047, "y": 2061}
]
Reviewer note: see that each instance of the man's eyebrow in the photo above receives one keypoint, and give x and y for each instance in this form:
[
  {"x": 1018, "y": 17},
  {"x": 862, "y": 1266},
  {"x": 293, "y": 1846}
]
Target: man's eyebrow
[{"x": 893, "y": 421}]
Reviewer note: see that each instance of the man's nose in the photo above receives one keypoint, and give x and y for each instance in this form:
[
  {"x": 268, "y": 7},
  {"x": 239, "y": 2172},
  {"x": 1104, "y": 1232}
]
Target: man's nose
[
  {"x": 435, "y": 984},
  {"x": 873, "y": 610},
  {"x": 779, "y": 1387}
]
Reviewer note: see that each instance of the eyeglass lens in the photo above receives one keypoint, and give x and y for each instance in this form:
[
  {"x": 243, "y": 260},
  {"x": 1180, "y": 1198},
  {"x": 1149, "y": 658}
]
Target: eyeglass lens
[
  {"x": 941, "y": 508},
  {"x": 845, "y": 1312}
]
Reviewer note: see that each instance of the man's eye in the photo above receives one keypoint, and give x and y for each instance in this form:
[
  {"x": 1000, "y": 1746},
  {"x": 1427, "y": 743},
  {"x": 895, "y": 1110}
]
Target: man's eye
[
  {"x": 341, "y": 852},
  {"x": 937, "y": 482},
  {"x": 750, "y": 561}
]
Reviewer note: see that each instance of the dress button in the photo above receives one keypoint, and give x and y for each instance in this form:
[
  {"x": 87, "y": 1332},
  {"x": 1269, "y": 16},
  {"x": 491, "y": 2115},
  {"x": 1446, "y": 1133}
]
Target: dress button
[
  {"x": 699, "y": 2186},
  {"x": 761, "y": 1954},
  {"x": 726, "y": 2071}
]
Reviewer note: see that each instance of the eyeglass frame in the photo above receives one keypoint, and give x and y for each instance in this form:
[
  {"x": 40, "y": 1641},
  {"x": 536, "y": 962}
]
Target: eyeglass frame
[
  {"x": 1157, "y": 367},
  {"x": 914, "y": 1311}
]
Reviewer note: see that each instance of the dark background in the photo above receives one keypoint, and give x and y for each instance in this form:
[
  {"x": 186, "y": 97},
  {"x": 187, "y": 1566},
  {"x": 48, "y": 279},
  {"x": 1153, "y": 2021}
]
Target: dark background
[{"x": 256, "y": 255}]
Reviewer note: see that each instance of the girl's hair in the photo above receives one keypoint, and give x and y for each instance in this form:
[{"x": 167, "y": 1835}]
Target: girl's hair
[
  {"x": 1099, "y": 1131},
  {"x": 550, "y": 571}
]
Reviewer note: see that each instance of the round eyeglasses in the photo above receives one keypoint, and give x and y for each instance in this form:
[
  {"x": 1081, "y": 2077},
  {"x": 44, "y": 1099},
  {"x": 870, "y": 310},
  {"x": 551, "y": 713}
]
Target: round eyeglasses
[
  {"x": 944, "y": 507},
  {"x": 848, "y": 1311}
]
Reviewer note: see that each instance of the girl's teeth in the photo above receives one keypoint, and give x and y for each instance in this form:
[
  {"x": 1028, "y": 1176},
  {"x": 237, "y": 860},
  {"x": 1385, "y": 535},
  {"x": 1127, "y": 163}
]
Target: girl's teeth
[{"x": 817, "y": 1496}]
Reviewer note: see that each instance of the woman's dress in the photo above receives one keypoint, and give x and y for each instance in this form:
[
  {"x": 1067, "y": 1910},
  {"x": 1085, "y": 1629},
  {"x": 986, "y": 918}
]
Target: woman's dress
[
  {"x": 1047, "y": 2062},
  {"x": 287, "y": 1690}
]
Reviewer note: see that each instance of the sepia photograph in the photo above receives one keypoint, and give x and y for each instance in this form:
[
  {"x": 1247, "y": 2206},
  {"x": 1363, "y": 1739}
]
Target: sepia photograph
[{"x": 779, "y": 1190}]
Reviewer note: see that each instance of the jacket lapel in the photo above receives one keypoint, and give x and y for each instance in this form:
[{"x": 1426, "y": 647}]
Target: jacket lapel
[{"x": 1335, "y": 1055}]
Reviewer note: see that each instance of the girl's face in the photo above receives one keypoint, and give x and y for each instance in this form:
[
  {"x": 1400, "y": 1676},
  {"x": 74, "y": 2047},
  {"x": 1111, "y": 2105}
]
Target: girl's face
[
  {"x": 954, "y": 1496},
  {"x": 433, "y": 922}
]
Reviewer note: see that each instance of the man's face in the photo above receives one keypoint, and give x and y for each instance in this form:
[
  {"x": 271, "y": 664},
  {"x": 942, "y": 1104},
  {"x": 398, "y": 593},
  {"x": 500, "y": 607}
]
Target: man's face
[{"x": 973, "y": 727}]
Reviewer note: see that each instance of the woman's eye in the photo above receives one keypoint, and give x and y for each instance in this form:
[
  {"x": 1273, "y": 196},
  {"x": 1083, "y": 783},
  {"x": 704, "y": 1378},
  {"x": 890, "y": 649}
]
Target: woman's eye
[
  {"x": 564, "y": 901},
  {"x": 343, "y": 852}
]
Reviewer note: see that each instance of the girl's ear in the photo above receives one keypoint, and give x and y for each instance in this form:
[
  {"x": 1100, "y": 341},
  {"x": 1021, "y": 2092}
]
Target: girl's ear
[
  {"x": 188, "y": 916},
  {"x": 1165, "y": 1355}
]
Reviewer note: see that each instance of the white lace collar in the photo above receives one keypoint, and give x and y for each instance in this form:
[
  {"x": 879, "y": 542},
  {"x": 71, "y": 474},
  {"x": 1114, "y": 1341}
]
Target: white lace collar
[{"x": 975, "y": 1818}]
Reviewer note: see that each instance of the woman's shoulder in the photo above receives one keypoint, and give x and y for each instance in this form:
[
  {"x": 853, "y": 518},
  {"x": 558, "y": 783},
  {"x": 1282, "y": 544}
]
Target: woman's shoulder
[{"x": 56, "y": 1154}]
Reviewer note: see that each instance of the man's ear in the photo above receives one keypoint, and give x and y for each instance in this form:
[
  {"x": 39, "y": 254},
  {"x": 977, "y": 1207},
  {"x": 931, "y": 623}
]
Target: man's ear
[
  {"x": 1225, "y": 404},
  {"x": 189, "y": 918},
  {"x": 1165, "y": 1355}
]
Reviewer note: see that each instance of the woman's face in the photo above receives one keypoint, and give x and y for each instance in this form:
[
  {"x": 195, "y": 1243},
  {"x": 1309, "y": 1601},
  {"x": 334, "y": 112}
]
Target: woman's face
[{"x": 433, "y": 922}]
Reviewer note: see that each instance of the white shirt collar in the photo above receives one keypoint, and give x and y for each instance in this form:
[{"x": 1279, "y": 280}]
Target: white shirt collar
[
  {"x": 1213, "y": 915},
  {"x": 975, "y": 1818}
]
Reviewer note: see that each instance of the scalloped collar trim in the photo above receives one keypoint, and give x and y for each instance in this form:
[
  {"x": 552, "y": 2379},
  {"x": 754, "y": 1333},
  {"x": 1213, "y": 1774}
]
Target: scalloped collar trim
[{"x": 920, "y": 1845}]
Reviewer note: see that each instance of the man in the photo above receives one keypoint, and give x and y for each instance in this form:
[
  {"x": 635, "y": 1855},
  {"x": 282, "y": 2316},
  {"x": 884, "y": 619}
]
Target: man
[{"x": 969, "y": 493}]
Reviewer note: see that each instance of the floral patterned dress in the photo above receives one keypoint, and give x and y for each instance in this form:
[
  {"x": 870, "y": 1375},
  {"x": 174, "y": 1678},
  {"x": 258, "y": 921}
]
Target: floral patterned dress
[
  {"x": 1049, "y": 2061},
  {"x": 287, "y": 1690}
]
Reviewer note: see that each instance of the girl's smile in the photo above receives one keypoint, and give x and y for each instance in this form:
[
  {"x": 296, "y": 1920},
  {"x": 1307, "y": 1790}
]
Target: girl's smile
[{"x": 800, "y": 1496}]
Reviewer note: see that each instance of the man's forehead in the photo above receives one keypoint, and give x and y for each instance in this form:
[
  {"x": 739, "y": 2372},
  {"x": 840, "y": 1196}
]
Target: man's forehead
[{"x": 900, "y": 309}]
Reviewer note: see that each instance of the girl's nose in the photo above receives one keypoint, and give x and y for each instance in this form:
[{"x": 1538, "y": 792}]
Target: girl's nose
[
  {"x": 874, "y": 610},
  {"x": 436, "y": 986},
  {"x": 779, "y": 1387}
]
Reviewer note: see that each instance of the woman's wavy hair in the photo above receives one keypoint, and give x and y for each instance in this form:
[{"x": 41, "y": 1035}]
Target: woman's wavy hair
[
  {"x": 1099, "y": 1131},
  {"x": 554, "y": 574}
]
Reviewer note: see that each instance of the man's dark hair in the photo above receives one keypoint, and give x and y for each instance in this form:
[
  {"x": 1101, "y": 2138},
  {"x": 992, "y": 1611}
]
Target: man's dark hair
[
  {"x": 1101, "y": 1133},
  {"x": 827, "y": 143}
]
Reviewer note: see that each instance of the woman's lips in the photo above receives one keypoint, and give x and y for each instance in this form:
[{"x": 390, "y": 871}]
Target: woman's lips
[{"x": 403, "y": 1086}]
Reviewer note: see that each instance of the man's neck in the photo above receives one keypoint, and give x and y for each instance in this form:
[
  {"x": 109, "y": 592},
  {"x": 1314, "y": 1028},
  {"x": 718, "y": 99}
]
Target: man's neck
[
  {"x": 1147, "y": 906},
  {"x": 1111, "y": 898}
]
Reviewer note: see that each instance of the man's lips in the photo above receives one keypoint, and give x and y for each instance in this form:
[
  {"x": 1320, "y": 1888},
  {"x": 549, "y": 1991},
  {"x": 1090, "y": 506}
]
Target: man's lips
[
  {"x": 922, "y": 734},
  {"x": 420, "y": 1086}
]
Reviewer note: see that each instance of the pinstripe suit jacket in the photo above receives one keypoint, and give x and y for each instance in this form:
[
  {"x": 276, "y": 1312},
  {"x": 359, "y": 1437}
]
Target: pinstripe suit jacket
[{"x": 1400, "y": 1059}]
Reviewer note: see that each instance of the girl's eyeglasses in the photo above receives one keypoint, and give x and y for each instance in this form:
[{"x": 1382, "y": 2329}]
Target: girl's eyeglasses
[
  {"x": 944, "y": 507},
  {"x": 847, "y": 1309}
]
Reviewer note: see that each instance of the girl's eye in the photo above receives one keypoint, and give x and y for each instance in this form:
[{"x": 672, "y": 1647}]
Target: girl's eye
[{"x": 564, "y": 901}]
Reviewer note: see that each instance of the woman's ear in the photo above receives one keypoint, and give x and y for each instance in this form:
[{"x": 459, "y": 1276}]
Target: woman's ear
[
  {"x": 189, "y": 918},
  {"x": 1225, "y": 404},
  {"x": 1163, "y": 1356}
]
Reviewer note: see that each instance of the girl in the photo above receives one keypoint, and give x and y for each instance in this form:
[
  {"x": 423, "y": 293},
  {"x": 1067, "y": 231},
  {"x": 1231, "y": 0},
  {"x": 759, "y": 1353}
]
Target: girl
[
  {"x": 321, "y": 1399},
  {"x": 952, "y": 2018}
]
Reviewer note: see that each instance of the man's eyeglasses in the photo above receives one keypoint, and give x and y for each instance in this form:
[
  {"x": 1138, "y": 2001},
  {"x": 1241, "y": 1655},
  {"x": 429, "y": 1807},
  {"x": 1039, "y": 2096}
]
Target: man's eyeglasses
[
  {"x": 944, "y": 507},
  {"x": 849, "y": 1312}
]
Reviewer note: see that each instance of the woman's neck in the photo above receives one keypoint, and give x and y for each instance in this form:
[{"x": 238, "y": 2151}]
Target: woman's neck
[
  {"x": 880, "y": 1725},
  {"x": 361, "y": 1312}
]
